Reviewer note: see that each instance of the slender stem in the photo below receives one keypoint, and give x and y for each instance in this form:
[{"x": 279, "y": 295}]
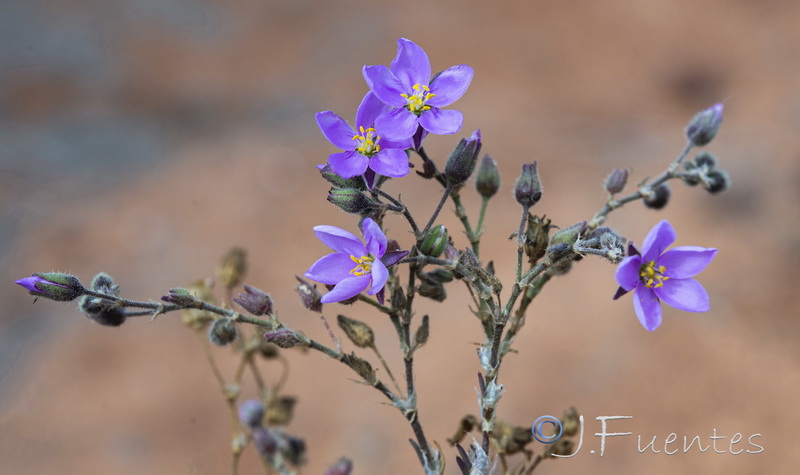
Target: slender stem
[
  {"x": 386, "y": 367},
  {"x": 447, "y": 191},
  {"x": 404, "y": 210},
  {"x": 479, "y": 228},
  {"x": 461, "y": 213},
  {"x": 374, "y": 303},
  {"x": 521, "y": 241}
]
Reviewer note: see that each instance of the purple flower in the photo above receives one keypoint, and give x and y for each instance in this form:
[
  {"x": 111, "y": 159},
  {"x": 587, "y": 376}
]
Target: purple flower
[
  {"x": 365, "y": 152},
  {"x": 657, "y": 276},
  {"x": 355, "y": 266},
  {"x": 407, "y": 86}
]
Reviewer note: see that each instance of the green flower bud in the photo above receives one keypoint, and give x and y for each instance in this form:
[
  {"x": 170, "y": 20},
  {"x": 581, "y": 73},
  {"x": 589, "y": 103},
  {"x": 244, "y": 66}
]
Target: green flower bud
[
  {"x": 179, "y": 296},
  {"x": 434, "y": 241},
  {"x": 569, "y": 234},
  {"x": 351, "y": 200},
  {"x": 488, "y": 180},
  {"x": 53, "y": 285}
]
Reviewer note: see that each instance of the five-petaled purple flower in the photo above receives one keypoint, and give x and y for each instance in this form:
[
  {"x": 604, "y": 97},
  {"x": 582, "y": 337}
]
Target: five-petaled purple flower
[
  {"x": 355, "y": 266},
  {"x": 365, "y": 152},
  {"x": 657, "y": 276},
  {"x": 407, "y": 86}
]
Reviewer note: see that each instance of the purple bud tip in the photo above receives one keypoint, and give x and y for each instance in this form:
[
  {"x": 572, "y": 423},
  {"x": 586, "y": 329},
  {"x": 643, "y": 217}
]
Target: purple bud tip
[
  {"x": 717, "y": 109},
  {"x": 30, "y": 283},
  {"x": 476, "y": 136}
]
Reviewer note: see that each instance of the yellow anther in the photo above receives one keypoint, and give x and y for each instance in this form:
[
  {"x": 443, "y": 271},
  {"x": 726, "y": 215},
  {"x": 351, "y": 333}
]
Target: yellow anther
[{"x": 652, "y": 276}]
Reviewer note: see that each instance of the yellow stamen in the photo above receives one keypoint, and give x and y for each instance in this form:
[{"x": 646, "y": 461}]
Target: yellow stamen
[
  {"x": 651, "y": 276},
  {"x": 364, "y": 265}
]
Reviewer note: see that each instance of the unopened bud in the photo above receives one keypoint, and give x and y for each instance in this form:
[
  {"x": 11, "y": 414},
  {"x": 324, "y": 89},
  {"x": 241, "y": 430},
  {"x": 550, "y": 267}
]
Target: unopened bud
[
  {"x": 283, "y": 337},
  {"x": 569, "y": 234},
  {"x": 222, "y": 331},
  {"x": 487, "y": 181},
  {"x": 616, "y": 180},
  {"x": 421, "y": 336},
  {"x": 705, "y": 159},
  {"x": 434, "y": 241},
  {"x": 717, "y": 180},
  {"x": 658, "y": 198},
  {"x": 251, "y": 413},
  {"x": 179, "y": 296},
  {"x": 331, "y": 177},
  {"x": 704, "y": 126},
  {"x": 461, "y": 164},
  {"x": 528, "y": 189},
  {"x": 255, "y": 301},
  {"x": 351, "y": 200},
  {"x": 359, "y": 332},
  {"x": 53, "y": 285},
  {"x": 232, "y": 267},
  {"x": 309, "y": 295}
]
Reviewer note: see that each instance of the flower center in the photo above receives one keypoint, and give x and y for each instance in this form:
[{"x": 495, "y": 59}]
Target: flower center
[
  {"x": 364, "y": 265},
  {"x": 367, "y": 142},
  {"x": 418, "y": 100},
  {"x": 652, "y": 276}
]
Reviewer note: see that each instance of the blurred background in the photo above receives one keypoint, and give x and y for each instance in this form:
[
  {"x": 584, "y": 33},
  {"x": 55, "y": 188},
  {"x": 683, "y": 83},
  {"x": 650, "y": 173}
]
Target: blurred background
[{"x": 145, "y": 138}]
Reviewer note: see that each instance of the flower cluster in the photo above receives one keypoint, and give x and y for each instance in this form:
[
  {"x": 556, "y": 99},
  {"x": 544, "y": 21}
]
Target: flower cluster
[{"x": 403, "y": 105}]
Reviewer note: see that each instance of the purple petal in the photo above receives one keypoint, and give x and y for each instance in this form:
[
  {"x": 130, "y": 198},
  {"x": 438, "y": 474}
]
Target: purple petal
[
  {"x": 628, "y": 272},
  {"x": 385, "y": 85},
  {"x": 398, "y": 124},
  {"x": 393, "y": 257},
  {"x": 390, "y": 162},
  {"x": 450, "y": 85},
  {"x": 348, "y": 164},
  {"x": 340, "y": 240},
  {"x": 30, "y": 283},
  {"x": 647, "y": 307},
  {"x": 346, "y": 289},
  {"x": 369, "y": 178},
  {"x": 411, "y": 65},
  {"x": 619, "y": 293},
  {"x": 370, "y": 108},
  {"x": 379, "y": 276},
  {"x": 658, "y": 239},
  {"x": 418, "y": 137},
  {"x": 441, "y": 122},
  {"x": 387, "y": 143},
  {"x": 331, "y": 269},
  {"x": 684, "y": 262},
  {"x": 684, "y": 294},
  {"x": 374, "y": 237},
  {"x": 336, "y": 130}
]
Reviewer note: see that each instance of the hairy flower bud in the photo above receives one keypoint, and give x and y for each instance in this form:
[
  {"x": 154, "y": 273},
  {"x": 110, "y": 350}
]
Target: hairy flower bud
[
  {"x": 569, "y": 234},
  {"x": 528, "y": 189},
  {"x": 717, "y": 180},
  {"x": 251, "y": 413},
  {"x": 421, "y": 336},
  {"x": 179, "y": 296},
  {"x": 461, "y": 164},
  {"x": 222, "y": 331},
  {"x": 705, "y": 159},
  {"x": 309, "y": 295},
  {"x": 358, "y": 332},
  {"x": 434, "y": 241},
  {"x": 255, "y": 301},
  {"x": 351, "y": 200},
  {"x": 658, "y": 198},
  {"x": 704, "y": 126},
  {"x": 616, "y": 180},
  {"x": 331, "y": 177},
  {"x": 232, "y": 267},
  {"x": 53, "y": 285},
  {"x": 283, "y": 337},
  {"x": 488, "y": 180}
]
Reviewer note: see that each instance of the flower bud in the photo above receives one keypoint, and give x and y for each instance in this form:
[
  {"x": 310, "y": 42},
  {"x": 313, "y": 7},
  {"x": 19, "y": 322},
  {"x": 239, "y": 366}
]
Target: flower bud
[
  {"x": 283, "y": 337},
  {"x": 705, "y": 159},
  {"x": 351, "y": 200},
  {"x": 102, "y": 311},
  {"x": 103, "y": 283},
  {"x": 616, "y": 180},
  {"x": 432, "y": 290},
  {"x": 309, "y": 295},
  {"x": 528, "y": 189},
  {"x": 255, "y": 301},
  {"x": 232, "y": 267},
  {"x": 399, "y": 298},
  {"x": 179, "y": 296},
  {"x": 658, "y": 198},
  {"x": 328, "y": 174},
  {"x": 251, "y": 413},
  {"x": 461, "y": 164},
  {"x": 434, "y": 241},
  {"x": 717, "y": 180},
  {"x": 343, "y": 466},
  {"x": 488, "y": 180},
  {"x": 359, "y": 332},
  {"x": 704, "y": 126},
  {"x": 222, "y": 331},
  {"x": 53, "y": 285},
  {"x": 421, "y": 336},
  {"x": 568, "y": 235}
]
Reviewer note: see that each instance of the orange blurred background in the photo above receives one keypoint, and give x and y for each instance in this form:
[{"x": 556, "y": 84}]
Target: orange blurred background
[{"x": 145, "y": 138}]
